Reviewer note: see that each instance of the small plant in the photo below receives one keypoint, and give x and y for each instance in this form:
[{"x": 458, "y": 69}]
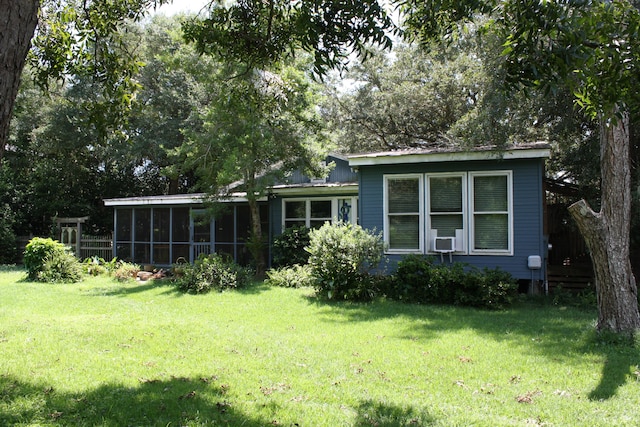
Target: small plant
[
  {"x": 96, "y": 266},
  {"x": 126, "y": 271},
  {"x": 60, "y": 267},
  {"x": 37, "y": 251},
  {"x": 288, "y": 248},
  {"x": 212, "y": 272},
  {"x": 296, "y": 276},
  {"x": 342, "y": 259}
]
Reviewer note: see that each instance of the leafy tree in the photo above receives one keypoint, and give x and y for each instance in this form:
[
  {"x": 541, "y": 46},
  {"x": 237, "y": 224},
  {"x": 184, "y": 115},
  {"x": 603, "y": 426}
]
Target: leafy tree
[
  {"x": 70, "y": 37},
  {"x": 592, "y": 49},
  {"x": 258, "y": 127}
]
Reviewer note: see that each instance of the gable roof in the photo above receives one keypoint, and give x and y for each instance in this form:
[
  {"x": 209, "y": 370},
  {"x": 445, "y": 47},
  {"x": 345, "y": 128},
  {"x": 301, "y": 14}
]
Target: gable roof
[{"x": 452, "y": 154}]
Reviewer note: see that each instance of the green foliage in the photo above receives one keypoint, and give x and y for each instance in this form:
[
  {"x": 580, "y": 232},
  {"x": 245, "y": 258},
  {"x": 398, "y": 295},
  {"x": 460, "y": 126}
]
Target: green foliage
[
  {"x": 418, "y": 279},
  {"x": 212, "y": 272},
  {"x": 295, "y": 276},
  {"x": 125, "y": 271},
  {"x": 8, "y": 249},
  {"x": 60, "y": 267},
  {"x": 36, "y": 253},
  {"x": 288, "y": 247},
  {"x": 261, "y": 34},
  {"x": 96, "y": 266},
  {"x": 342, "y": 257}
]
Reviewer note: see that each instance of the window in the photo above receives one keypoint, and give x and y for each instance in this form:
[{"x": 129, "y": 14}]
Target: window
[
  {"x": 313, "y": 213},
  {"x": 446, "y": 207},
  {"x": 491, "y": 212},
  {"x": 403, "y": 213},
  {"x": 474, "y": 208}
]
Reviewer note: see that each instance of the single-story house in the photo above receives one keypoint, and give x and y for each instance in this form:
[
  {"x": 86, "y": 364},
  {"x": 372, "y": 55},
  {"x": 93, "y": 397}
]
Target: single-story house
[{"x": 484, "y": 207}]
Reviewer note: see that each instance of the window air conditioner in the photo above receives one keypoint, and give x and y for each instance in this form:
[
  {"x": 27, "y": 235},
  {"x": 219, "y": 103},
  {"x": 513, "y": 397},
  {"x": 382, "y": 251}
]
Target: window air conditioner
[{"x": 444, "y": 244}]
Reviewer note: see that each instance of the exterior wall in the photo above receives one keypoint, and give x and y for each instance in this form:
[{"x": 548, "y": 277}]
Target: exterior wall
[
  {"x": 340, "y": 173},
  {"x": 528, "y": 215}
]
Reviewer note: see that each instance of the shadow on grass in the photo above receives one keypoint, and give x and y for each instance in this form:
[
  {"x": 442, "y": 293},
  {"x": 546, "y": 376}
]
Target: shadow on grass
[
  {"x": 556, "y": 332},
  {"x": 378, "y": 414},
  {"x": 178, "y": 401}
]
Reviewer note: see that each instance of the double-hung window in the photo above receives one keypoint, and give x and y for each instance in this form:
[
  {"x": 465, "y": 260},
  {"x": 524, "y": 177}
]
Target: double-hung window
[
  {"x": 491, "y": 212},
  {"x": 403, "y": 228},
  {"x": 446, "y": 205},
  {"x": 474, "y": 209}
]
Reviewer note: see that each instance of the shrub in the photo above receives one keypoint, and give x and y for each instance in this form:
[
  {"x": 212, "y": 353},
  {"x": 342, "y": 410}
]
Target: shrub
[
  {"x": 342, "y": 258},
  {"x": 126, "y": 271},
  {"x": 60, "y": 267},
  {"x": 212, "y": 272},
  {"x": 288, "y": 248},
  {"x": 296, "y": 276},
  {"x": 487, "y": 288},
  {"x": 37, "y": 251},
  {"x": 418, "y": 279}
]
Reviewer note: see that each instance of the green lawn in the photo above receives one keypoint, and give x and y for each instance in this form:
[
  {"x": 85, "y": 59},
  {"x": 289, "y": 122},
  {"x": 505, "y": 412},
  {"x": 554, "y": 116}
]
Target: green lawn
[{"x": 101, "y": 353}]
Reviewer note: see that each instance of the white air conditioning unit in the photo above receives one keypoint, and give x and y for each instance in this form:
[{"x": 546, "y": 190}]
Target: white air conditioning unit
[{"x": 444, "y": 244}]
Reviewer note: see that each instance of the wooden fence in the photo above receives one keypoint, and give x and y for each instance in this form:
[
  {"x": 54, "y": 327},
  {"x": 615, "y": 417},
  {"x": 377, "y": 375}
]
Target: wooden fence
[{"x": 90, "y": 246}]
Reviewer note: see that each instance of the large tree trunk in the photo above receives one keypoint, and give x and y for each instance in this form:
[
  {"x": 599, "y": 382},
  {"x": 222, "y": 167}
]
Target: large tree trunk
[
  {"x": 607, "y": 232},
  {"x": 18, "y": 20}
]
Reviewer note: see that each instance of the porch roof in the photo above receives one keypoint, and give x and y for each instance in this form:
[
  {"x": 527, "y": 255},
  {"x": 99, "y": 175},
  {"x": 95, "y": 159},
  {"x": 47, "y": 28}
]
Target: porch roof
[{"x": 174, "y": 199}]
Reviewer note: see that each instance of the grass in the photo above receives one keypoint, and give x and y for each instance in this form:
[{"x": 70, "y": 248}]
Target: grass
[{"x": 102, "y": 353}]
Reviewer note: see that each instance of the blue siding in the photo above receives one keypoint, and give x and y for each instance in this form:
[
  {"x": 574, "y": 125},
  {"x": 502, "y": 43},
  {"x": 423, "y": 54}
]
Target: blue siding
[
  {"x": 340, "y": 173},
  {"x": 528, "y": 212}
]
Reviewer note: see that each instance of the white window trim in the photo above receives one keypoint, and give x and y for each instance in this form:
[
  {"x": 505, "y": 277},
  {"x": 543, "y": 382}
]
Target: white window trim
[
  {"x": 509, "y": 250},
  {"x": 335, "y": 213},
  {"x": 385, "y": 198},
  {"x": 462, "y": 250}
]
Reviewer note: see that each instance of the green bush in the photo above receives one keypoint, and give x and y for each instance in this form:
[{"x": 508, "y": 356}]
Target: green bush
[
  {"x": 211, "y": 272},
  {"x": 342, "y": 258},
  {"x": 296, "y": 276},
  {"x": 288, "y": 248},
  {"x": 37, "y": 251},
  {"x": 418, "y": 279},
  {"x": 487, "y": 288},
  {"x": 60, "y": 267}
]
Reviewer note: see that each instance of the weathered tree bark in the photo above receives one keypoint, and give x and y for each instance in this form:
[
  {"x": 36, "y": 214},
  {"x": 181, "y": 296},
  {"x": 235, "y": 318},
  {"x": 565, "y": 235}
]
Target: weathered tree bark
[
  {"x": 18, "y": 20},
  {"x": 255, "y": 244},
  {"x": 607, "y": 232}
]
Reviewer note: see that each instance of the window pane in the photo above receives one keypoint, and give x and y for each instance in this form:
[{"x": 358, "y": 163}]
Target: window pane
[
  {"x": 445, "y": 194},
  {"x": 181, "y": 253},
  {"x": 143, "y": 225},
  {"x": 321, "y": 209},
  {"x": 317, "y": 223},
  {"x": 491, "y": 231},
  {"x": 404, "y": 195},
  {"x": 142, "y": 253},
  {"x": 404, "y": 232},
  {"x": 181, "y": 225},
  {"x": 123, "y": 231},
  {"x": 300, "y": 223},
  {"x": 446, "y": 224},
  {"x": 201, "y": 230},
  {"x": 243, "y": 221},
  {"x": 161, "y": 225},
  {"x": 490, "y": 193},
  {"x": 161, "y": 254},
  {"x": 295, "y": 209}
]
